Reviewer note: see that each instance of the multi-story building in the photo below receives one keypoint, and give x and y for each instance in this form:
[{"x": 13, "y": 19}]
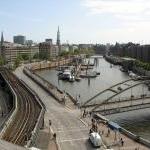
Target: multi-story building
[
  {"x": 54, "y": 51},
  {"x": 140, "y": 52},
  {"x": 49, "y": 40},
  {"x": 29, "y": 42},
  {"x": 19, "y": 39},
  {"x": 48, "y": 50},
  {"x": 100, "y": 49},
  {"x": 11, "y": 51},
  {"x": 85, "y": 46}
]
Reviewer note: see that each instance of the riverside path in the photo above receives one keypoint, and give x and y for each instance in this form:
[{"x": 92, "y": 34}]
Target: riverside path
[{"x": 72, "y": 132}]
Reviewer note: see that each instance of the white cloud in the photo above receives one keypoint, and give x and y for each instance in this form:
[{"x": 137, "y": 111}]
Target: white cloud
[
  {"x": 133, "y": 17},
  {"x": 136, "y": 10},
  {"x": 117, "y": 6}
]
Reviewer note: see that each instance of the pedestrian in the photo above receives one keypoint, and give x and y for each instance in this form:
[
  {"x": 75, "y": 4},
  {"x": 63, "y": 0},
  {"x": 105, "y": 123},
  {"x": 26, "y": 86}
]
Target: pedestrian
[
  {"x": 90, "y": 113},
  {"x": 84, "y": 113},
  {"x": 50, "y": 122},
  {"x": 54, "y": 135},
  {"x": 108, "y": 132},
  {"x": 122, "y": 142}
]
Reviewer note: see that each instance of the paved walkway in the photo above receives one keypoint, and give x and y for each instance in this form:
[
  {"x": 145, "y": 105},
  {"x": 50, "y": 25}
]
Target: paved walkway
[
  {"x": 113, "y": 139},
  {"x": 72, "y": 132}
]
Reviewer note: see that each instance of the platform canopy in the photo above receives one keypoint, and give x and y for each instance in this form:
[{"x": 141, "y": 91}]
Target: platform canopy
[{"x": 114, "y": 126}]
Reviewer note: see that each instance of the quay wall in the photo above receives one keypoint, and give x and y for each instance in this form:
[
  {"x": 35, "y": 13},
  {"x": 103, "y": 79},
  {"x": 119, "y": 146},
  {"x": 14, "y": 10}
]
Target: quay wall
[
  {"x": 135, "y": 137},
  {"x": 47, "y": 86},
  {"x": 30, "y": 71},
  {"x": 49, "y": 64},
  {"x": 43, "y": 83}
]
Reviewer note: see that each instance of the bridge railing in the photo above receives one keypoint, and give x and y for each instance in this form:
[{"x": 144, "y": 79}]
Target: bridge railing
[{"x": 130, "y": 98}]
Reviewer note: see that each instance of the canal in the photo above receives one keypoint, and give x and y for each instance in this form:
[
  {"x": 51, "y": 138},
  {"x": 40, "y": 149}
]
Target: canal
[{"x": 137, "y": 122}]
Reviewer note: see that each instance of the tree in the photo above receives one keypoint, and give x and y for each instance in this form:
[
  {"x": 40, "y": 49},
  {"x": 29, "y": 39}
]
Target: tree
[
  {"x": 25, "y": 56},
  {"x": 64, "y": 53},
  {"x": 76, "y": 51},
  {"x": 43, "y": 55},
  {"x": 36, "y": 56},
  {"x": 17, "y": 61}
]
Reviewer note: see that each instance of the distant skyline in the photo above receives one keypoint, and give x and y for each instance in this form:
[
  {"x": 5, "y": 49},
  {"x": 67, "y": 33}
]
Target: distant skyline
[{"x": 80, "y": 21}]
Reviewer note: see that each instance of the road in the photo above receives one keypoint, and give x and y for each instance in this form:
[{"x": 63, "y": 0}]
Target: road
[{"x": 71, "y": 132}]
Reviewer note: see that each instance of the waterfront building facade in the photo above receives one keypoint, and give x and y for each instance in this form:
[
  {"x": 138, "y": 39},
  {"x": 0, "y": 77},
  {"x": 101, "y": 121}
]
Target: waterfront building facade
[
  {"x": 85, "y": 46},
  {"x": 47, "y": 50},
  {"x": 140, "y": 52},
  {"x": 99, "y": 49},
  {"x": 11, "y": 51}
]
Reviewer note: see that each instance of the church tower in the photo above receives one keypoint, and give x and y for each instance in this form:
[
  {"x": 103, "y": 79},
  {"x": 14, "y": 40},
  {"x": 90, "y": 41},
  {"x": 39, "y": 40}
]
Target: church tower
[
  {"x": 58, "y": 40},
  {"x": 2, "y": 43},
  {"x": 58, "y": 37},
  {"x": 2, "y": 39}
]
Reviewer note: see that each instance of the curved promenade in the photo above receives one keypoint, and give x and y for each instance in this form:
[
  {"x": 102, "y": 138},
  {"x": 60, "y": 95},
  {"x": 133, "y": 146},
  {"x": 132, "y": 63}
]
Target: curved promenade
[{"x": 72, "y": 131}]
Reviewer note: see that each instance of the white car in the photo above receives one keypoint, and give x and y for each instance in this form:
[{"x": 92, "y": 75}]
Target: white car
[{"x": 95, "y": 139}]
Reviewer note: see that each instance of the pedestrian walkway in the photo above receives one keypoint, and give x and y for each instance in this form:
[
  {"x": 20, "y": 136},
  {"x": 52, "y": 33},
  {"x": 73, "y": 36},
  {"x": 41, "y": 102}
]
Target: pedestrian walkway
[
  {"x": 113, "y": 140},
  {"x": 72, "y": 133},
  {"x": 45, "y": 140}
]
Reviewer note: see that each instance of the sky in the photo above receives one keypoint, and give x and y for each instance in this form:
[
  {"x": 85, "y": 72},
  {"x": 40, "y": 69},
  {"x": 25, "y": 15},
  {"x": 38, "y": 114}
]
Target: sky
[{"x": 80, "y": 21}]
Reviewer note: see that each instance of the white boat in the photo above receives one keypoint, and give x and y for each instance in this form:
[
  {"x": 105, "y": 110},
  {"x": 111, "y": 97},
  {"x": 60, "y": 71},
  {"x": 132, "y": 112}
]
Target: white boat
[
  {"x": 67, "y": 75},
  {"x": 131, "y": 74}
]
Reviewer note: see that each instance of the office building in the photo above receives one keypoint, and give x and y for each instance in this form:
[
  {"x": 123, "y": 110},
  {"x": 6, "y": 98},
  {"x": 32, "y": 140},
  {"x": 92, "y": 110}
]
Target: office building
[
  {"x": 11, "y": 51},
  {"x": 19, "y": 39},
  {"x": 48, "y": 50}
]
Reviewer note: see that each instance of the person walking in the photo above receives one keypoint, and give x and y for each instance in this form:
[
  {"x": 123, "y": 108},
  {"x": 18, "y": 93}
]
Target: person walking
[{"x": 122, "y": 142}]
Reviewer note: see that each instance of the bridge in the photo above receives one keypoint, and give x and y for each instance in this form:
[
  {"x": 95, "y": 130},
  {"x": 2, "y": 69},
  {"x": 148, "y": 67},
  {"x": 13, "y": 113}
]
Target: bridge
[{"x": 113, "y": 103}]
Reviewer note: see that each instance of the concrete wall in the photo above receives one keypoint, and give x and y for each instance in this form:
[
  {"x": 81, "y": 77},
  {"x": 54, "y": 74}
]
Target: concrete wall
[{"x": 49, "y": 64}]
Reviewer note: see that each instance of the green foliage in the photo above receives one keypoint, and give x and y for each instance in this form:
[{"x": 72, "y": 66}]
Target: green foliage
[
  {"x": 36, "y": 56},
  {"x": 64, "y": 53},
  {"x": 141, "y": 64},
  {"x": 77, "y": 51},
  {"x": 17, "y": 61},
  {"x": 25, "y": 56},
  {"x": 43, "y": 56}
]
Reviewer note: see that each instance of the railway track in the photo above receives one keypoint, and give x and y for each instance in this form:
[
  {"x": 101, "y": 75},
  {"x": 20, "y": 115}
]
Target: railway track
[{"x": 20, "y": 130}]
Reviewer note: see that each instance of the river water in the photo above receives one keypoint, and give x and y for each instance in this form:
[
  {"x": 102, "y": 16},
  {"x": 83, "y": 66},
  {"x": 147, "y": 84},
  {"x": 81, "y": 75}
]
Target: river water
[{"x": 137, "y": 121}]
